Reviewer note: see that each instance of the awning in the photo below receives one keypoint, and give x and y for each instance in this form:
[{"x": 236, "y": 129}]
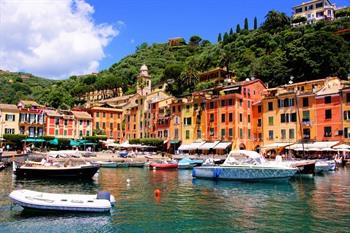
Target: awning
[
  {"x": 33, "y": 140},
  {"x": 315, "y": 146},
  {"x": 174, "y": 141},
  {"x": 74, "y": 143},
  {"x": 276, "y": 145},
  {"x": 222, "y": 145},
  {"x": 184, "y": 147},
  {"x": 54, "y": 141},
  {"x": 192, "y": 146},
  {"x": 342, "y": 146},
  {"x": 208, "y": 145}
]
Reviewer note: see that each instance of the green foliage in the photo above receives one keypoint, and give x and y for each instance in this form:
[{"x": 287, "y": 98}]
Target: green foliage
[
  {"x": 275, "y": 21},
  {"x": 219, "y": 37},
  {"x": 255, "y": 23},
  {"x": 15, "y": 139},
  {"x": 238, "y": 28},
  {"x": 231, "y": 31},
  {"x": 204, "y": 85},
  {"x": 246, "y": 26},
  {"x": 95, "y": 138},
  {"x": 98, "y": 132},
  {"x": 299, "y": 19},
  {"x": 195, "y": 40},
  {"x": 343, "y": 13}
]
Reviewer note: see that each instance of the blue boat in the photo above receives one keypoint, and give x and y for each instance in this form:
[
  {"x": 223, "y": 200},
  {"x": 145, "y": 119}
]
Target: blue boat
[
  {"x": 187, "y": 163},
  {"x": 123, "y": 154}
]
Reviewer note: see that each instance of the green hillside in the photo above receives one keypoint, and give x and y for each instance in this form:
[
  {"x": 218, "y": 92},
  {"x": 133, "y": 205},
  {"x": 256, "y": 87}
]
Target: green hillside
[{"x": 273, "y": 52}]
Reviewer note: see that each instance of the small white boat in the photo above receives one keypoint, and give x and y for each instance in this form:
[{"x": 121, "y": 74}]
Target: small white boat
[
  {"x": 107, "y": 164},
  {"x": 322, "y": 166},
  {"x": 102, "y": 202}
]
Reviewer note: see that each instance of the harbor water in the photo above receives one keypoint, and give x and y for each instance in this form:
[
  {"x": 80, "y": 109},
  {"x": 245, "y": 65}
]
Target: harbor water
[{"x": 319, "y": 204}]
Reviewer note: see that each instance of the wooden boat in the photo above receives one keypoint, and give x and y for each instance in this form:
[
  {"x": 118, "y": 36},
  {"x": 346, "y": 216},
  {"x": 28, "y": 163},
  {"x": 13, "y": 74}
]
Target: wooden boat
[
  {"x": 107, "y": 164},
  {"x": 102, "y": 202},
  {"x": 40, "y": 170},
  {"x": 163, "y": 165}
]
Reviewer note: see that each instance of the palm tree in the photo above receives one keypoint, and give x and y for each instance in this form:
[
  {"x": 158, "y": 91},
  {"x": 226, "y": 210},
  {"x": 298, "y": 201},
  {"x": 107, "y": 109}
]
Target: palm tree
[
  {"x": 275, "y": 20},
  {"x": 190, "y": 77}
]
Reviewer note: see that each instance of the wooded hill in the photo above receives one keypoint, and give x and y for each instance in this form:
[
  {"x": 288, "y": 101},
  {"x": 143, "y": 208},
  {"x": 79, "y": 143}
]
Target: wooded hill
[{"x": 273, "y": 52}]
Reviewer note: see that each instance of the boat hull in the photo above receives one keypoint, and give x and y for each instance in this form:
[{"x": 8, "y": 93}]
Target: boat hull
[
  {"x": 84, "y": 172},
  {"x": 161, "y": 166},
  {"x": 186, "y": 166},
  {"x": 242, "y": 173}
]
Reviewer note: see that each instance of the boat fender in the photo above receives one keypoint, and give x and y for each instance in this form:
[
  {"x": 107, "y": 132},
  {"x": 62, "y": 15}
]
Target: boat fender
[
  {"x": 104, "y": 195},
  {"x": 193, "y": 172},
  {"x": 217, "y": 172}
]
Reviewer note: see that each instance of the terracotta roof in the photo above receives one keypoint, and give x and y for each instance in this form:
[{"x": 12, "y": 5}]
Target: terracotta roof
[
  {"x": 82, "y": 115},
  {"x": 10, "y": 107},
  {"x": 53, "y": 113}
]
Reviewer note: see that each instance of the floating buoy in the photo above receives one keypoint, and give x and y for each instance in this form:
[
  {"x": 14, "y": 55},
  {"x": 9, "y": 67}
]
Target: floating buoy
[
  {"x": 157, "y": 193},
  {"x": 128, "y": 180}
]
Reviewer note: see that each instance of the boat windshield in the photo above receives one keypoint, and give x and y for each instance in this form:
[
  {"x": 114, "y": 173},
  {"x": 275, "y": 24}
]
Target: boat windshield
[{"x": 244, "y": 158}]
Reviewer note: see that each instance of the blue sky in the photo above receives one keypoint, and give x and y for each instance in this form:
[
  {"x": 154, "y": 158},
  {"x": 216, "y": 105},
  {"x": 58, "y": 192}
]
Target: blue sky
[{"x": 155, "y": 21}]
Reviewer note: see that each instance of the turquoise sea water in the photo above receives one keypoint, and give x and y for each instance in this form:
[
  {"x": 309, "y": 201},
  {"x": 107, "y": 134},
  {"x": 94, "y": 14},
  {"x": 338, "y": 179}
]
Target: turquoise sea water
[{"x": 320, "y": 204}]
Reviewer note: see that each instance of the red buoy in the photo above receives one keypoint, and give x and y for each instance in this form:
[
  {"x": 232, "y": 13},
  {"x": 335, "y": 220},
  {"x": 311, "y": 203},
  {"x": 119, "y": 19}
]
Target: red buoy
[{"x": 157, "y": 193}]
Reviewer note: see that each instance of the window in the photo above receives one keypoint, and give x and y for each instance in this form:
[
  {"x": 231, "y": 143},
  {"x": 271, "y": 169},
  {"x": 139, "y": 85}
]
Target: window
[
  {"x": 298, "y": 10},
  {"x": 328, "y": 113},
  {"x": 111, "y": 125},
  {"x": 199, "y": 134},
  {"x": 87, "y": 133},
  {"x": 327, "y": 131},
  {"x": 240, "y": 102},
  {"x": 97, "y": 125},
  {"x": 174, "y": 109},
  {"x": 211, "y": 131},
  {"x": 87, "y": 123},
  {"x": 9, "y": 131},
  {"x": 259, "y": 109},
  {"x": 328, "y": 99},
  {"x": 305, "y": 102},
  {"x": 346, "y": 132},
  {"x": 65, "y": 132},
  {"x": 259, "y": 122},
  {"x": 223, "y": 116},
  {"x": 283, "y": 118},
  {"x": 10, "y": 117},
  {"x": 283, "y": 133},
  {"x": 187, "y": 108},
  {"x": 291, "y": 133},
  {"x": 347, "y": 97},
  {"x": 306, "y": 133},
  {"x": 230, "y": 132},
  {"x": 80, "y": 122},
  {"x": 111, "y": 115},
  {"x": 176, "y": 133},
  {"x": 240, "y": 117},
  {"x": 223, "y": 103},
  {"x": 240, "y": 133},
  {"x": 270, "y": 106},
  {"x": 319, "y": 5},
  {"x": 187, "y": 134},
  {"x": 346, "y": 115},
  {"x": 249, "y": 132},
  {"x": 187, "y": 120},
  {"x": 270, "y": 134},
  {"x": 65, "y": 122},
  {"x": 293, "y": 117},
  {"x": 103, "y": 125},
  {"x": 211, "y": 117},
  {"x": 118, "y": 126},
  {"x": 271, "y": 120},
  {"x": 248, "y": 104},
  {"x": 80, "y": 133},
  {"x": 306, "y": 116},
  {"x": 230, "y": 102},
  {"x": 248, "y": 118},
  {"x": 223, "y": 133},
  {"x": 230, "y": 117},
  {"x": 310, "y": 7},
  {"x": 211, "y": 105}
]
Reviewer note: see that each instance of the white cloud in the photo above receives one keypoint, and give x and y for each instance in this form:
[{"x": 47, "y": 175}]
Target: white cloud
[{"x": 52, "y": 38}]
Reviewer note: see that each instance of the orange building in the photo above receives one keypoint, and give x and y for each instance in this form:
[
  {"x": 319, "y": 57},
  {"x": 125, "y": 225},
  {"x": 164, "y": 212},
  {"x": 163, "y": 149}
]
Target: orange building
[
  {"x": 59, "y": 124},
  {"x": 109, "y": 120}
]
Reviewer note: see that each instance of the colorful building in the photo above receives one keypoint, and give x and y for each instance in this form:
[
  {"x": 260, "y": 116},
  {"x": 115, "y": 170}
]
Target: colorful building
[
  {"x": 315, "y": 10},
  {"x": 109, "y": 120},
  {"x": 31, "y": 118},
  {"x": 9, "y": 119},
  {"x": 59, "y": 124},
  {"x": 82, "y": 124}
]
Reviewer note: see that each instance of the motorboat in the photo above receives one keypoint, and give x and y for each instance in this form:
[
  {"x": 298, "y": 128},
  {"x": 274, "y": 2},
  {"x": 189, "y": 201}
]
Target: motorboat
[
  {"x": 187, "y": 163},
  {"x": 245, "y": 165},
  {"x": 123, "y": 154},
  {"x": 163, "y": 165},
  {"x": 322, "y": 166},
  {"x": 31, "y": 169},
  {"x": 101, "y": 202},
  {"x": 107, "y": 164}
]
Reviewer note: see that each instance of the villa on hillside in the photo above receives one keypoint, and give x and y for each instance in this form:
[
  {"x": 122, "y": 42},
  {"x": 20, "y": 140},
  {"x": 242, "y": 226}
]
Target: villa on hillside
[{"x": 315, "y": 10}]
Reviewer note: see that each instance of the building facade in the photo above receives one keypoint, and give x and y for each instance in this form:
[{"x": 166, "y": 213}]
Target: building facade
[
  {"x": 31, "y": 118},
  {"x": 9, "y": 119},
  {"x": 315, "y": 10}
]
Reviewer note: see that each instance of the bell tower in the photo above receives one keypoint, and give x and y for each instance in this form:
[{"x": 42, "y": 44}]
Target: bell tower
[{"x": 144, "y": 85}]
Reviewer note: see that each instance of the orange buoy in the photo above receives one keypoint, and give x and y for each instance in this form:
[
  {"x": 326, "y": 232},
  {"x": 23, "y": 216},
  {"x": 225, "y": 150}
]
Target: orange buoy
[{"x": 157, "y": 193}]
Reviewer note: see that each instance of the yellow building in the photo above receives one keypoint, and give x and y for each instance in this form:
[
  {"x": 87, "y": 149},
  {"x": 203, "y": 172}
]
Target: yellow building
[
  {"x": 9, "y": 119},
  {"x": 346, "y": 113},
  {"x": 315, "y": 10}
]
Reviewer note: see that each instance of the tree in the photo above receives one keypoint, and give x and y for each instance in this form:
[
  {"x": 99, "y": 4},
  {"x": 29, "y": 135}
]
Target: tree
[
  {"x": 275, "y": 21},
  {"x": 195, "y": 40},
  {"x": 238, "y": 28},
  {"x": 246, "y": 26},
  {"x": 219, "y": 37},
  {"x": 255, "y": 23},
  {"x": 225, "y": 37},
  {"x": 231, "y": 31},
  {"x": 299, "y": 19},
  {"x": 189, "y": 77}
]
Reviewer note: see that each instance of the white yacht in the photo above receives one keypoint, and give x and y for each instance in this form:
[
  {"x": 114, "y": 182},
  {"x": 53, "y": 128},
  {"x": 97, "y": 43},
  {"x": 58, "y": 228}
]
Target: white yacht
[{"x": 246, "y": 166}]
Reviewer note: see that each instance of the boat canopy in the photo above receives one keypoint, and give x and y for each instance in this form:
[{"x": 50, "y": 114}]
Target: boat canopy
[
  {"x": 239, "y": 157},
  {"x": 222, "y": 145}
]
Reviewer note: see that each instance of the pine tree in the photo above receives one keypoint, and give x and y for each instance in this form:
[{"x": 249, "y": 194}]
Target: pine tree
[
  {"x": 231, "y": 31},
  {"x": 246, "y": 27},
  {"x": 238, "y": 28},
  {"x": 219, "y": 37},
  {"x": 225, "y": 37},
  {"x": 255, "y": 23}
]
